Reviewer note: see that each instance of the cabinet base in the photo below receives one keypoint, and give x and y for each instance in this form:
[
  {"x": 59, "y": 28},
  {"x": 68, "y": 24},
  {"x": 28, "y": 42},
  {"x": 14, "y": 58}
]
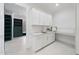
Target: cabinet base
[{"x": 44, "y": 47}]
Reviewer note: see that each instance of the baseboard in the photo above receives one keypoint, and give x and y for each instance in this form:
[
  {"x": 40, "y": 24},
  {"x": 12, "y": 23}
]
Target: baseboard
[{"x": 44, "y": 47}]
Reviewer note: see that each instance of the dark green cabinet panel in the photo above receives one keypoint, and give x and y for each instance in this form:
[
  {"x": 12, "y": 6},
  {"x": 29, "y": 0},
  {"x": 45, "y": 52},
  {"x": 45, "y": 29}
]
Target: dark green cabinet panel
[
  {"x": 17, "y": 27},
  {"x": 7, "y": 27}
]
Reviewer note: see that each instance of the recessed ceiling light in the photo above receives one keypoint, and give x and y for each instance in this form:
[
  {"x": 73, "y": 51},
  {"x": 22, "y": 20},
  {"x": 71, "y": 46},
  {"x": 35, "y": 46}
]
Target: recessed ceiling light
[{"x": 57, "y": 4}]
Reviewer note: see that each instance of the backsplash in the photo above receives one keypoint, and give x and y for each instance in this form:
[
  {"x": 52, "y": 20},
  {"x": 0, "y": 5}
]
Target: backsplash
[
  {"x": 41, "y": 29},
  {"x": 37, "y": 29}
]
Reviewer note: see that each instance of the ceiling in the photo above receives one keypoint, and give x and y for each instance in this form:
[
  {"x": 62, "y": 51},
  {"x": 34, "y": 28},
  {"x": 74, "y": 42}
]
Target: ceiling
[
  {"x": 46, "y": 7},
  {"x": 13, "y": 8},
  {"x": 50, "y": 7}
]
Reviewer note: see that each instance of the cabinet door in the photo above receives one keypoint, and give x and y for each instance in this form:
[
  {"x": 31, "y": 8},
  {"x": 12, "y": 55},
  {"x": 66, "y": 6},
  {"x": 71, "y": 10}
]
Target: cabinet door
[
  {"x": 17, "y": 27},
  {"x": 51, "y": 37},
  {"x": 7, "y": 27},
  {"x": 42, "y": 18},
  {"x": 38, "y": 43},
  {"x": 44, "y": 41},
  {"x": 50, "y": 20},
  {"x": 47, "y": 19},
  {"x": 35, "y": 17}
]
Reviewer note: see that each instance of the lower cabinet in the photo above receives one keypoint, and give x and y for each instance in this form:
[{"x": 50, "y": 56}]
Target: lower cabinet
[
  {"x": 41, "y": 41},
  {"x": 50, "y": 37}
]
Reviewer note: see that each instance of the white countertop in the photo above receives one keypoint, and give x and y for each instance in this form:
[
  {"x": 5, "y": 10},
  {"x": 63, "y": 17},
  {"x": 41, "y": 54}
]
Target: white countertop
[
  {"x": 64, "y": 33},
  {"x": 37, "y": 33},
  {"x": 41, "y": 33}
]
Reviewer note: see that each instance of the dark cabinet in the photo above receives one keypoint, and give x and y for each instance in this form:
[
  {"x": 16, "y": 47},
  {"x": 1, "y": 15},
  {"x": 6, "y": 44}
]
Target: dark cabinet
[
  {"x": 7, "y": 27},
  {"x": 17, "y": 27}
]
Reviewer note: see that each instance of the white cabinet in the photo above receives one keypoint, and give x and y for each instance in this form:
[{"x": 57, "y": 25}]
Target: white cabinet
[
  {"x": 35, "y": 17},
  {"x": 50, "y": 37},
  {"x": 46, "y": 19},
  {"x": 40, "y": 18},
  {"x": 42, "y": 40},
  {"x": 38, "y": 43},
  {"x": 50, "y": 20}
]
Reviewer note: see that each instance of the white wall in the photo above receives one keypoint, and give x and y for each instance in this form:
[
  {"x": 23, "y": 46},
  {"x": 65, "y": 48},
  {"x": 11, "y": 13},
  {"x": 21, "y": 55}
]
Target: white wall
[
  {"x": 1, "y": 28},
  {"x": 77, "y": 30},
  {"x": 64, "y": 19},
  {"x": 37, "y": 29}
]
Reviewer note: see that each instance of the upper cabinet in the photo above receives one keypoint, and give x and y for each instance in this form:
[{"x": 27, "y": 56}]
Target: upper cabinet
[
  {"x": 40, "y": 18},
  {"x": 35, "y": 17},
  {"x": 50, "y": 20}
]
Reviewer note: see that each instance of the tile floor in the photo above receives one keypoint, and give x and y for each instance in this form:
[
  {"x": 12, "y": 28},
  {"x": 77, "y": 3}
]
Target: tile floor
[{"x": 17, "y": 46}]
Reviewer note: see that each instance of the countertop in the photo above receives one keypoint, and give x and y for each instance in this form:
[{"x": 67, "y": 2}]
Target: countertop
[
  {"x": 64, "y": 33},
  {"x": 42, "y": 33}
]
